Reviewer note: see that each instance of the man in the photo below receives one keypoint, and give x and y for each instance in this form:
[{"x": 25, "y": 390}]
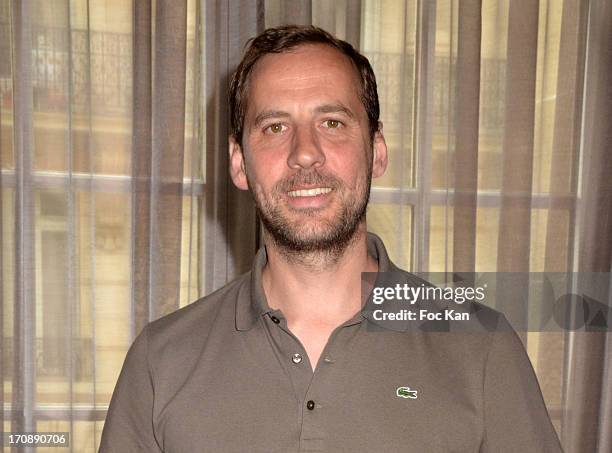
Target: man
[{"x": 283, "y": 359}]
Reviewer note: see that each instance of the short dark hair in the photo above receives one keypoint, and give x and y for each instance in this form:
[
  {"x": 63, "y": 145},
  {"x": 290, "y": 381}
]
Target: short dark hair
[{"x": 287, "y": 37}]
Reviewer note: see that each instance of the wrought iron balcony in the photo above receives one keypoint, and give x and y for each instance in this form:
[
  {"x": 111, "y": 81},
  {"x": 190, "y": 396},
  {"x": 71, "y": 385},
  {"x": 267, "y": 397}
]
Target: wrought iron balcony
[{"x": 97, "y": 73}]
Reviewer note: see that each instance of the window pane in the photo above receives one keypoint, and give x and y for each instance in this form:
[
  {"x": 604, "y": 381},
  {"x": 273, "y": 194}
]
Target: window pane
[
  {"x": 492, "y": 93},
  {"x": 6, "y": 88},
  {"x": 81, "y": 86},
  {"x": 443, "y": 108},
  {"x": 193, "y": 99},
  {"x": 546, "y": 97},
  {"x": 110, "y": 273},
  {"x": 8, "y": 279},
  {"x": 393, "y": 224},
  {"x": 441, "y": 239},
  {"x": 65, "y": 344},
  {"x": 487, "y": 230},
  {"x": 388, "y": 38},
  {"x": 84, "y": 436},
  {"x": 190, "y": 251},
  {"x": 550, "y": 240}
]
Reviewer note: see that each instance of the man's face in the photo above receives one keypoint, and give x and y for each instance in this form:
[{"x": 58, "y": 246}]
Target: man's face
[{"x": 307, "y": 156}]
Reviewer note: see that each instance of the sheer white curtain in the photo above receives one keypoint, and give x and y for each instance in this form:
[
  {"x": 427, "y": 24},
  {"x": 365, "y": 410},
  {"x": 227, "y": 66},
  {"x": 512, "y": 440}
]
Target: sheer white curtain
[{"x": 111, "y": 213}]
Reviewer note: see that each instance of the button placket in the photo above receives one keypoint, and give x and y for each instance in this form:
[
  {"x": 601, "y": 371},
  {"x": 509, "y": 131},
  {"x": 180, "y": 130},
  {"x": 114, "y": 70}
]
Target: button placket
[{"x": 292, "y": 354}]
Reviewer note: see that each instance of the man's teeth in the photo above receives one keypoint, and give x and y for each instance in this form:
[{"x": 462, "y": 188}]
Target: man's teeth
[{"x": 309, "y": 192}]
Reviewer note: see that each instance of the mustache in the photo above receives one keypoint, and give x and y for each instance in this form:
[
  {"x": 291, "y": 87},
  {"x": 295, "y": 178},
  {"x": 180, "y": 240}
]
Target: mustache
[{"x": 307, "y": 178}]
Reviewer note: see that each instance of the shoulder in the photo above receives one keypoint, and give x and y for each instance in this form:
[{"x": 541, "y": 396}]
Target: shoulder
[{"x": 185, "y": 329}]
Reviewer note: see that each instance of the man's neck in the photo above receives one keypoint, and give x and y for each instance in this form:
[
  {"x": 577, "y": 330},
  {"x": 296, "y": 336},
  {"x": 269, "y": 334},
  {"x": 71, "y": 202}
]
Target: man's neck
[{"x": 313, "y": 291}]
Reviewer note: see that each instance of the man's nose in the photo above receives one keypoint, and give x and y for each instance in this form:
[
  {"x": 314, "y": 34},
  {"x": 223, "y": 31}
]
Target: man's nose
[{"x": 306, "y": 150}]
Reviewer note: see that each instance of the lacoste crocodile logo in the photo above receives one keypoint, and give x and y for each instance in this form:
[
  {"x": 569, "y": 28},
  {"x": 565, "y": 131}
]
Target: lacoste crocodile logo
[{"x": 405, "y": 392}]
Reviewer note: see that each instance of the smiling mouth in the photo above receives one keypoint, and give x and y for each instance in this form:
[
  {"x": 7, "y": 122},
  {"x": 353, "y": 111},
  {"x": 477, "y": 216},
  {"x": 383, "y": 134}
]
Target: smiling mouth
[{"x": 309, "y": 192}]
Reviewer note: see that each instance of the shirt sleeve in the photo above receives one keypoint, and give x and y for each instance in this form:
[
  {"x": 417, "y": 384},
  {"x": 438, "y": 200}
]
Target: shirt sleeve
[
  {"x": 129, "y": 421},
  {"x": 515, "y": 415}
]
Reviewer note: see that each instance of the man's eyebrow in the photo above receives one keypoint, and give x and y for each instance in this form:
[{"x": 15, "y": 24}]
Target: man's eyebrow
[
  {"x": 335, "y": 108},
  {"x": 267, "y": 114}
]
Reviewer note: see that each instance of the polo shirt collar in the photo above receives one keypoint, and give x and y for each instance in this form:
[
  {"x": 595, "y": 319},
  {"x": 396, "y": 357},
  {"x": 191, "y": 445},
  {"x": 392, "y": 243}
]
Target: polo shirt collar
[{"x": 251, "y": 302}]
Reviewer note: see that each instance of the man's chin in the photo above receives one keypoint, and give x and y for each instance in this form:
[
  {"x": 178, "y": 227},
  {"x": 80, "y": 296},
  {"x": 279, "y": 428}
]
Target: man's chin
[
  {"x": 312, "y": 238},
  {"x": 310, "y": 244},
  {"x": 312, "y": 230}
]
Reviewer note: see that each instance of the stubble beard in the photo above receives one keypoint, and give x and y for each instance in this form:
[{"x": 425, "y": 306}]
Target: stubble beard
[{"x": 301, "y": 241}]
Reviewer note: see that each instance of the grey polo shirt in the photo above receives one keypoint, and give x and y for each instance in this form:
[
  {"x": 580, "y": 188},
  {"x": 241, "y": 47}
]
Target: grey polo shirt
[{"x": 225, "y": 374}]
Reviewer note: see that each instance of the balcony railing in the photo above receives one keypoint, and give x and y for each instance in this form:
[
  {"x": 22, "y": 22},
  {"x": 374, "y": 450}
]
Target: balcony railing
[
  {"x": 395, "y": 72},
  {"x": 98, "y": 73},
  {"x": 95, "y": 75}
]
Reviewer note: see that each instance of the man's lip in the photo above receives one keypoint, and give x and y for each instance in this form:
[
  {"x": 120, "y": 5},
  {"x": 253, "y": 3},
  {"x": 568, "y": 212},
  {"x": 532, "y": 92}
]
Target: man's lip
[
  {"x": 322, "y": 190},
  {"x": 309, "y": 186}
]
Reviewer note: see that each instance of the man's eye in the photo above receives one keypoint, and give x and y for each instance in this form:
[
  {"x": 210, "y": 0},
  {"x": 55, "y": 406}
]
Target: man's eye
[
  {"x": 276, "y": 128},
  {"x": 332, "y": 124}
]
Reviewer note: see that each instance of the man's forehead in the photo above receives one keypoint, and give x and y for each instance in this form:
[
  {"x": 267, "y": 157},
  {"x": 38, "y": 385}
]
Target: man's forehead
[{"x": 311, "y": 60}]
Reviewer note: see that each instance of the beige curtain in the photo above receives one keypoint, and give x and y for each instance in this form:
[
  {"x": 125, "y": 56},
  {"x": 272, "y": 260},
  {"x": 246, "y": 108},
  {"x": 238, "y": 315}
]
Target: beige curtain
[
  {"x": 111, "y": 213},
  {"x": 231, "y": 229},
  {"x": 117, "y": 208},
  {"x": 587, "y": 408},
  {"x": 158, "y": 149}
]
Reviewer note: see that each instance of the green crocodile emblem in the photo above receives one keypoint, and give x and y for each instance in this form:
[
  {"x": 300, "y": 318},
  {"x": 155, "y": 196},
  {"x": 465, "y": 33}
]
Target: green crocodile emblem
[{"x": 405, "y": 392}]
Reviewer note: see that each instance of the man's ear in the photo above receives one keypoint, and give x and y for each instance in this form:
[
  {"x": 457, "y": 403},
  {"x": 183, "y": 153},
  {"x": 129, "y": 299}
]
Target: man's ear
[
  {"x": 237, "y": 165},
  {"x": 379, "y": 154}
]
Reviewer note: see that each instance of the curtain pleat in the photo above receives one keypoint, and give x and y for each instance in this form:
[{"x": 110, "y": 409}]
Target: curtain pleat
[
  {"x": 283, "y": 12},
  {"x": 514, "y": 234},
  {"x": 194, "y": 152},
  {"x": 215, "y": 70},
  {"x": 560, "y": 223},
  {"x": 342, "y": 18},
  {"x": 3, "y": 334},
  {"x": 353, "y": 23},
  {"x": 515, "y": 214},
  {"x": 466, "y": 141},
  {"x": 89, "y": 259},
  {"x": 588, "y": 422},
  {"x": 5, "y": 68},
  {"x": 596, "y": 240},
  {"x": 141, "y": 163},
  {"x": 158, "y": 156},
  {"x": 24, "y": 305},
  {"x": 71, "y": 251},
  {"x": 605, "y": 410},
  {"x": 231, "y": 234},
  {"x": 168, "y": 145},
  {"x": 566, "y": 140},
  {"x": 245, "y": 21},
  {"x": 582, "y": 427}
]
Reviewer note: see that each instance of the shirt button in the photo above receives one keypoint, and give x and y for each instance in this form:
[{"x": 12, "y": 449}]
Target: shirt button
[
  {"x": 296, "y": 358},
  {"x": 274, "y": 319},
  {"x": 310, "y": 405}
]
